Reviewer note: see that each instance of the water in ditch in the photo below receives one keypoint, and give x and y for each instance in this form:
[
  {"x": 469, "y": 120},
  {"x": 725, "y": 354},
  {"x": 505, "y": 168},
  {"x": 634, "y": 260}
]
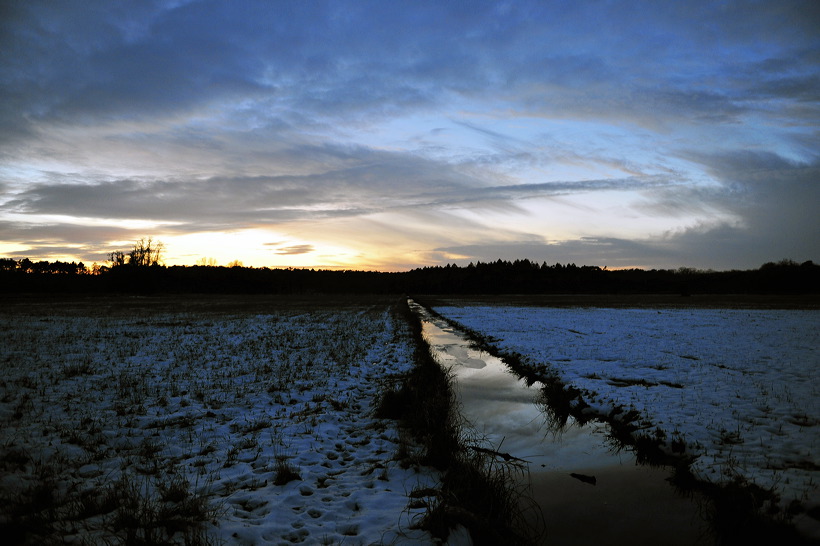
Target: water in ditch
[{"x": 580, "y": 489}]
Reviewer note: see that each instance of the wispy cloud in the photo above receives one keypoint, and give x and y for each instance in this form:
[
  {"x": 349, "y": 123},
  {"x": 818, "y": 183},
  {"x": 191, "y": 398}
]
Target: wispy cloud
[{"x": 294, "y": 250}]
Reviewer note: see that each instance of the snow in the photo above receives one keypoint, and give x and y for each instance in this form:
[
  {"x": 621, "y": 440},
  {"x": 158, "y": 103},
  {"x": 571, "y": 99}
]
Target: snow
[
  {"x": 737, "y": 386},
  {"x": 219, "y": 402}
]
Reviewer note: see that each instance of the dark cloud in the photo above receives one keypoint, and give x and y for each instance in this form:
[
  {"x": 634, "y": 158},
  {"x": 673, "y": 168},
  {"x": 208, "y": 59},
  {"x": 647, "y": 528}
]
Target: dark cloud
[
  {"x": 141, "y": 60},
  {"x": 770, "y": 198},
  {"x": 775, "y": 198},
  {"x": 566, "y": 188},
  {"x": 64, "y": 233},
  {"x": 803, "y": 88},
  {"x": 56, "y": 238}
]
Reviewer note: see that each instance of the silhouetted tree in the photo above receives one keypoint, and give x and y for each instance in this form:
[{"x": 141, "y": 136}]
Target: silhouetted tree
[{"x": 146, "y": 252}]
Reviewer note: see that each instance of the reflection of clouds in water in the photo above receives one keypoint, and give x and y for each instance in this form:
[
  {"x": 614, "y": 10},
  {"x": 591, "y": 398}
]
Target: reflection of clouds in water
[
  {"x": 473, "y": 363},
  {"x": 448, "y": 353},
  {"x": 502, "y": 410}
]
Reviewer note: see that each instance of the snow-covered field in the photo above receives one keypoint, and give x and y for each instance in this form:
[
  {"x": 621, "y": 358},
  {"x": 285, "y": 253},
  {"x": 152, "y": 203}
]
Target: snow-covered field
[
  {"x": 739, "y": 387},
  {"x": 136, "y": 421}
]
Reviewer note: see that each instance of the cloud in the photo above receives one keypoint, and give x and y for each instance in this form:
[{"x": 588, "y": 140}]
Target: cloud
[
  {"x": 290, "y": 250},
  {"x": 574, "y": 187},
  {"x": 294, "y": 249},
  {"x": 762, "y": 209},
  {"x": 396, "y": 183},
  {"x": 43, "y": 239}
]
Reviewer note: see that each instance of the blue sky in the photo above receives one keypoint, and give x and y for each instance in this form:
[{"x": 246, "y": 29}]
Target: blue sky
[{"x": 391, "y": 135}]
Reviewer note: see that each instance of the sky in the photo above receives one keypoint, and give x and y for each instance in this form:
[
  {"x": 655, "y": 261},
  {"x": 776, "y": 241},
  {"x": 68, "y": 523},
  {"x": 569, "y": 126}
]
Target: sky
[{"x": 391, "y": 135}]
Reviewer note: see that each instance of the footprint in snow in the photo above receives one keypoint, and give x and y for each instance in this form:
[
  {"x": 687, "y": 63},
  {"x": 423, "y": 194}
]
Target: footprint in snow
[{"x": 306, "y": 490}]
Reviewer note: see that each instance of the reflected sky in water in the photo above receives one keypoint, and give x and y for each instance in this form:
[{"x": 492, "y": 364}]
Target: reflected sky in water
[{"x": 501, "y": 407}]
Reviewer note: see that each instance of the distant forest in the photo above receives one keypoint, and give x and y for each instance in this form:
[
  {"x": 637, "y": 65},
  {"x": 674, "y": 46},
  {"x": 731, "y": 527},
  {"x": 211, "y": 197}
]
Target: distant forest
[{"x": 499, "y": 277}]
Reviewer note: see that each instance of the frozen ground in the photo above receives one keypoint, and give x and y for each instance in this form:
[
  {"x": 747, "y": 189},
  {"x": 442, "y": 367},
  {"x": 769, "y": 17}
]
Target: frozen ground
[
  {"x": 111, "y": 424},
  {"x": 739, "y": 387}
]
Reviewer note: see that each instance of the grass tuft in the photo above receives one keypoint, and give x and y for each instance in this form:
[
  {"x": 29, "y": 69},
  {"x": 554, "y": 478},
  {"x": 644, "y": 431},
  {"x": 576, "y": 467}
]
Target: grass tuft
[
  {"x": 158, "y": 512},
  {"x": 285, "y": 472}
]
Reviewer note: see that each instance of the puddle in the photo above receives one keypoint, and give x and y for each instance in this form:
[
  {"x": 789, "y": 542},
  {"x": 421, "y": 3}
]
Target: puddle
[{"x": 627, "y": 504}]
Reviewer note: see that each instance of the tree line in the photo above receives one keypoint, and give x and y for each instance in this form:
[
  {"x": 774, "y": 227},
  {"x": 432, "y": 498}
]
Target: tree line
[
  {"x": 27, "y": 266},
  {"x": 141, "y": 271}
]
